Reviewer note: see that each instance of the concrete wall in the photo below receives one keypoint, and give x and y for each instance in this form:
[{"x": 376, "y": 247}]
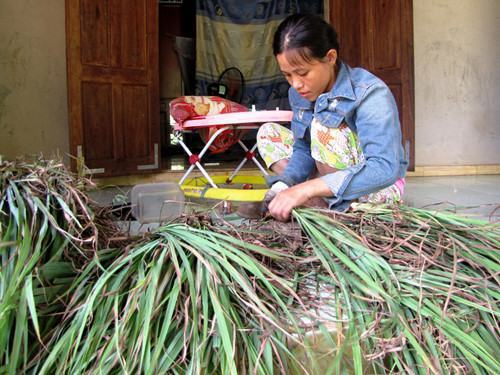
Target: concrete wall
[
  {"x": 457, "y": 82},
  {"x": 33, "y": 105}
]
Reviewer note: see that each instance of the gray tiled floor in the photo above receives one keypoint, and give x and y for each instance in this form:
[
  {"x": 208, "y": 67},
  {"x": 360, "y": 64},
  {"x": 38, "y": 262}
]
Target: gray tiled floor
[{"x": 474, "y": 196}]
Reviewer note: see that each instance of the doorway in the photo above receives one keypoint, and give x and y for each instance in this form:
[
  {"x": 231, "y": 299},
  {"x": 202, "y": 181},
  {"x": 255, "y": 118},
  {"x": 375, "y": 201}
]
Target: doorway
[
  {"x": 113, "y": 62},
  {"x": 177, "y": 50},
  {"x": 233, "y": 51}
]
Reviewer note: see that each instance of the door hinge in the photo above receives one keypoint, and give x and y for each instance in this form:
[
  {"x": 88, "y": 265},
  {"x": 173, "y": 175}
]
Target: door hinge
[{"x": 151, "y": 166}]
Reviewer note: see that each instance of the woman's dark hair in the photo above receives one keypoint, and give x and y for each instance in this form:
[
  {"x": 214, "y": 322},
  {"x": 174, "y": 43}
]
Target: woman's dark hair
[{"x": 308, "y": 36}]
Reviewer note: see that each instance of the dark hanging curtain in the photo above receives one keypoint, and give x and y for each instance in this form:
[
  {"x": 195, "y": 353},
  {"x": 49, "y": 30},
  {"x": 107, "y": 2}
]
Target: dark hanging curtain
[{"x": 236, "y": 33}]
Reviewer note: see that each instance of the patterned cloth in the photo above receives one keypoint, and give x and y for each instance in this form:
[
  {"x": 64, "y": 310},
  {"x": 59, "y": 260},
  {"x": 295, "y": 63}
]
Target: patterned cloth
[
  {"x": 189, "y": 107},
  {"x": 338, "y": 148},
  {"x": 275, "y": 142}
]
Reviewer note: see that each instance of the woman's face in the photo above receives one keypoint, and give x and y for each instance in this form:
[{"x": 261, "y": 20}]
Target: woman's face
[{"x": 309, "y": 78}]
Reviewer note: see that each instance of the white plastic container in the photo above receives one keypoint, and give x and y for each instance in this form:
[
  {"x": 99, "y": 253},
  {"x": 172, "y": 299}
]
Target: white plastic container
[{"x": 157, "y": 202}]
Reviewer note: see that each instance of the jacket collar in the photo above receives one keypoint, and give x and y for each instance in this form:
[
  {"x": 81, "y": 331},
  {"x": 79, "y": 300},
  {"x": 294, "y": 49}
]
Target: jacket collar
[{"x": 343, "y": 84}]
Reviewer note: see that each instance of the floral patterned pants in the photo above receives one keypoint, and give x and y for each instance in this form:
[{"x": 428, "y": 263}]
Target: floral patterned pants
[{"x": 338, "y": 148}]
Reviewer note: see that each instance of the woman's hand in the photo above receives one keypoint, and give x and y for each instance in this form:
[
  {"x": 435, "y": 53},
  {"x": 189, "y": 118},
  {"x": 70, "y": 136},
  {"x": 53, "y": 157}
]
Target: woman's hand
[{"x": 299, "y": 195}]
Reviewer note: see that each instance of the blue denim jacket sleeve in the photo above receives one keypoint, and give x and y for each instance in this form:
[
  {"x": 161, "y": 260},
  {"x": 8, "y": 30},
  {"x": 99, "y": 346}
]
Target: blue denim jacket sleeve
[{"x": 377, "y": 126}]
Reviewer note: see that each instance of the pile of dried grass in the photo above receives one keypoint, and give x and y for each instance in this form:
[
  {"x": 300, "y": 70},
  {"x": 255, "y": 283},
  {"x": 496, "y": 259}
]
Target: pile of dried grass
[{"x": 402, "y": 289}]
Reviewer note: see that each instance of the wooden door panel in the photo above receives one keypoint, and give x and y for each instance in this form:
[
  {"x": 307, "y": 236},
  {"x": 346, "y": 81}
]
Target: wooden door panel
[
  {"x": 350, "y": 42},
  {"x": 114, "y": 74},
  {"x": 347, "y": 16},
  {"x": 113, "y": 84},
  {"x": 96, "y": 111},
  {"x": 95, "y": 31},
  {"x": 378, "y": 35},
  {"x": 132, "y": 31},
  {"x": 135, "y": 110},
  {"x": 386, "y": 50}
]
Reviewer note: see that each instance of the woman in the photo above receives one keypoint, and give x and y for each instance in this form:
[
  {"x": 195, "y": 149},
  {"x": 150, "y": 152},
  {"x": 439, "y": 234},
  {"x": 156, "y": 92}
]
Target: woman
[{"x": 345, "y": 138}]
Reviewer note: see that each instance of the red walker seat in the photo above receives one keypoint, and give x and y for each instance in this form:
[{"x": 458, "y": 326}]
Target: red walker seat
[{"x": 220, "y": 123}]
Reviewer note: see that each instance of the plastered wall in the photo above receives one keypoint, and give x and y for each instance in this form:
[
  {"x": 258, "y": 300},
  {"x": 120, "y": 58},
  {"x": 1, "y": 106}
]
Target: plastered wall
[
  {"x": 457, "y": 80},
  {"x": 33, "y": 105}
]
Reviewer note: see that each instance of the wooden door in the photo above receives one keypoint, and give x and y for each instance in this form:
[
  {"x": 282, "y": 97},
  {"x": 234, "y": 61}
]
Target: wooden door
[
  {"x": 113, "y": 90},
  {"x": 378, "y": 35}
]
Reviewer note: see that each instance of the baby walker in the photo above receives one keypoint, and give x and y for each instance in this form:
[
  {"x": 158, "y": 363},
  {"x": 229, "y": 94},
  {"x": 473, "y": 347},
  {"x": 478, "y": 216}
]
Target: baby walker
[{"x": 221, "y": 124}]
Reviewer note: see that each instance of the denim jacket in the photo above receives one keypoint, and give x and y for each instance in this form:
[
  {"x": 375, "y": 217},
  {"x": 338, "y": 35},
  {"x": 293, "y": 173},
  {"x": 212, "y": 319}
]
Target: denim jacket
[{"x": 367, "y": 106}]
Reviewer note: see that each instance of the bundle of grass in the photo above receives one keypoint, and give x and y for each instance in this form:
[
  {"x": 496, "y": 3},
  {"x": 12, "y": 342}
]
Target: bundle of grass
[
  {"x": 410, "y": 292},
  {"x": 415, "y": 291},
  {"x": 389, "y": 289},
  {"x": 47, "y": 230},
  {"x": 189, "y": 299}
]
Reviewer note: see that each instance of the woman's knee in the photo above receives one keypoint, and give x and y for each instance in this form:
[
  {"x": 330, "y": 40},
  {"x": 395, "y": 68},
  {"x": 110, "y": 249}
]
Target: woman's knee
[{"x": 275, "y": 143}]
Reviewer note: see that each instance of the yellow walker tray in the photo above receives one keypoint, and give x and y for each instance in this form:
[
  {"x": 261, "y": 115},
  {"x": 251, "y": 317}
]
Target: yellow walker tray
[{"x": 200, "y": 187}]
